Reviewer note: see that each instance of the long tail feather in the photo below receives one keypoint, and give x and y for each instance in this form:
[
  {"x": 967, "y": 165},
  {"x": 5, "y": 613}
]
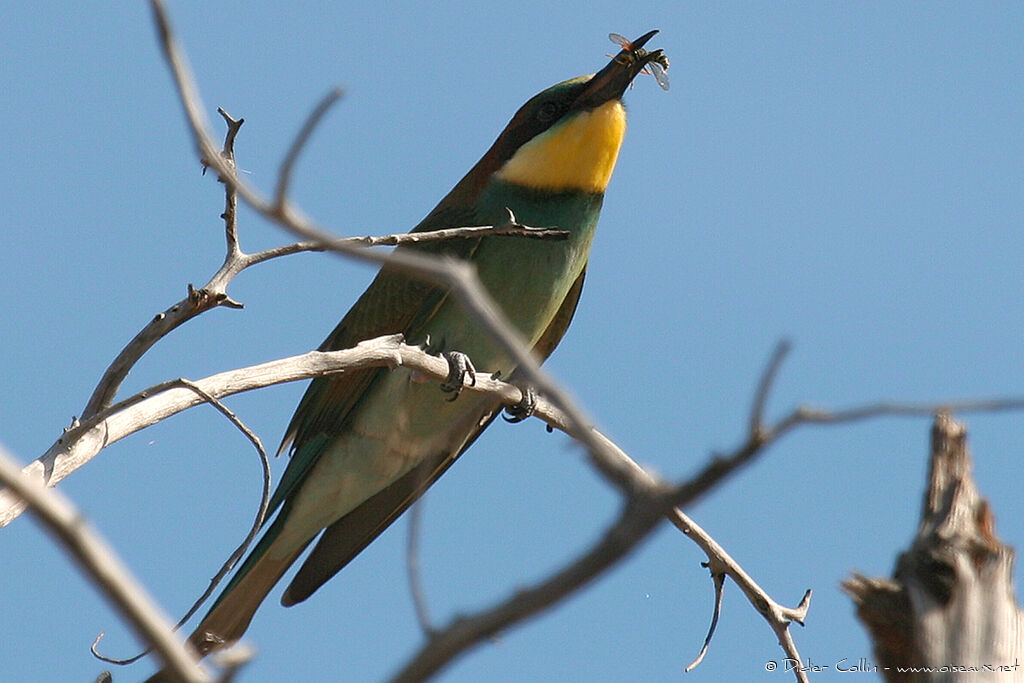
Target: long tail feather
[{"x": 229, "y": 617}]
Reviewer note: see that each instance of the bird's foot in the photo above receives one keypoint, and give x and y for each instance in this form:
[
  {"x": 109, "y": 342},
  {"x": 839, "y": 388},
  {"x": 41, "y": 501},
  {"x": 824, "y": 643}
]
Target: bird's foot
[
  {"x": 460, "y": 368},
  {"x": 517, "y": 412}
]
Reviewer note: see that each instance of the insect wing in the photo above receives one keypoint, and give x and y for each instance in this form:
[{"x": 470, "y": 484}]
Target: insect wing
[
  {"x": 621, "y": 41},
  {"x": 660, "y": 75}
]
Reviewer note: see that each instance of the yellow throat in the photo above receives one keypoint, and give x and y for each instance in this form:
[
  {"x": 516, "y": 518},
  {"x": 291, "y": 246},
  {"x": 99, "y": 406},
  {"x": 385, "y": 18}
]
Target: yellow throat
[{"x": 575, "y": 155}]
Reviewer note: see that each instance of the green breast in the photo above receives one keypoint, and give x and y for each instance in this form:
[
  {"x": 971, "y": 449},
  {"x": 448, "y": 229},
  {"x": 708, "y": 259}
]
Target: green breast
[{"x": 528, "y": 278}]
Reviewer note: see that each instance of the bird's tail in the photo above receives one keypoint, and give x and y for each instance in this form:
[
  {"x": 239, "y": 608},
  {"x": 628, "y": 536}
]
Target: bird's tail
[{"x": 230, "y": 615}]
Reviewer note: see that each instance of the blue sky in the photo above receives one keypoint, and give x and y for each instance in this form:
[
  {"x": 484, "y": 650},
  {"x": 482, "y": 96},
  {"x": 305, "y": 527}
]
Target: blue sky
[{"x": 846, "y": 175}]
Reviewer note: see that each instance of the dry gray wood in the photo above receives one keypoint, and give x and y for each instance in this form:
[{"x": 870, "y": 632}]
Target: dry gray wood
[{"x": 949, "y": 613}]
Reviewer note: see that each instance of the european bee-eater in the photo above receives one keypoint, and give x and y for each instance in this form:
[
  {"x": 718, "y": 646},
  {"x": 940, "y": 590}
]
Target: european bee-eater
[{"x": 366, "y": 443}]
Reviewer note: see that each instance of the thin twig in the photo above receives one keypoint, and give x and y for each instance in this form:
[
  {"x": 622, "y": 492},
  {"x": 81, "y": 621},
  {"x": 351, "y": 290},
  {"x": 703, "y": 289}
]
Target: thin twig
[
  {"x": 719, "y": 583},
  {"x": 635, "y": 522},
  {"x": 764, "y": 387},
  {"x": 284, "y": 177},
  {"x": 231, "y": 196},
  {"x": 509, "y": 229},
  {"x": 261, "y": 511},
  {"x": 412, "y": 566},
  {"x": 261, "y": 515},
  {"x": 721, "y": 466}
]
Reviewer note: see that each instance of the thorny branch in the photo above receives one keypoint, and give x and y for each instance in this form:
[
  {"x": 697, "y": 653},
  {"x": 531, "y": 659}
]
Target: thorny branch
[{"x": 638, "y": 519}]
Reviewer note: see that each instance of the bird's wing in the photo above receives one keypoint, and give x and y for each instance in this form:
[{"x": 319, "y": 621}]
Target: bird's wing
[
  {"x": 348, "y": 536},
  {"x": 393, "y": 303}
]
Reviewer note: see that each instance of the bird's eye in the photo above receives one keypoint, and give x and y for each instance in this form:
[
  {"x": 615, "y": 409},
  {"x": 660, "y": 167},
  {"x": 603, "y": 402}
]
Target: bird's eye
[{"x": 547, "y": 111}]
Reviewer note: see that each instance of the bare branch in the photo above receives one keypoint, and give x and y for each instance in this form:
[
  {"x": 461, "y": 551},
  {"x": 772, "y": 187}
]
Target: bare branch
[
  {"x": 448, "y": 642},
  {"x": 412, "y": 569},
  {"x": 261, "y": 515},
  {"x": 287, "y": 166},
  {"x": 231, "y": 197},
  {"x": 764, "y": 387},
  {"x": 719, "y": 581},
  {"x": 809, "y": 415},
  {"x": 101, "y": 564},
  {"x": 213, "y": 294},
  {"x": 261, "y": 511},
  {"x": 720, "y": 563},
  {"x": 637, "y": 520},
  {"x": 722, "y": 466},
  {"x": 186, "y": 83},
  {"x": 81, "y": 443},
  {"x": 509, "y": 229}
]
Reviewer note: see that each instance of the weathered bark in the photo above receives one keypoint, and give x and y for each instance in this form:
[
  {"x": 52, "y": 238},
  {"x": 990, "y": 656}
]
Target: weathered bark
[{"x": 949, "y": 613}]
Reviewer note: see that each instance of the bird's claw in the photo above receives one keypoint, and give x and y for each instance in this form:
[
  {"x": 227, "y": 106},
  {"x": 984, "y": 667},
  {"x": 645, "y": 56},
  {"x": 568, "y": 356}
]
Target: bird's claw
[
  {"x": 526, "y": 406},
  {"x": 460, "y": 367}
]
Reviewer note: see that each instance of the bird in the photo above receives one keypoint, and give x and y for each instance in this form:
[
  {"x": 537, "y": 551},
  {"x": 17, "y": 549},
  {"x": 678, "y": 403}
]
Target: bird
[{"x": 366, "y": 443}]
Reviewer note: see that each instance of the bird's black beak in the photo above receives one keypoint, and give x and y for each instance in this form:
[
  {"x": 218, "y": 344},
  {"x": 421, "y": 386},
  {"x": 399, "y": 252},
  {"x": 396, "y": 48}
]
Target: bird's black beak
[{"x": 611, "y": 82}]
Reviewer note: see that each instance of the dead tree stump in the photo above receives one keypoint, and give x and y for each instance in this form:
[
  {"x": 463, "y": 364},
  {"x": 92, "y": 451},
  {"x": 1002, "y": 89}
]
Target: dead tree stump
[{"x": 949, "y": 613}]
